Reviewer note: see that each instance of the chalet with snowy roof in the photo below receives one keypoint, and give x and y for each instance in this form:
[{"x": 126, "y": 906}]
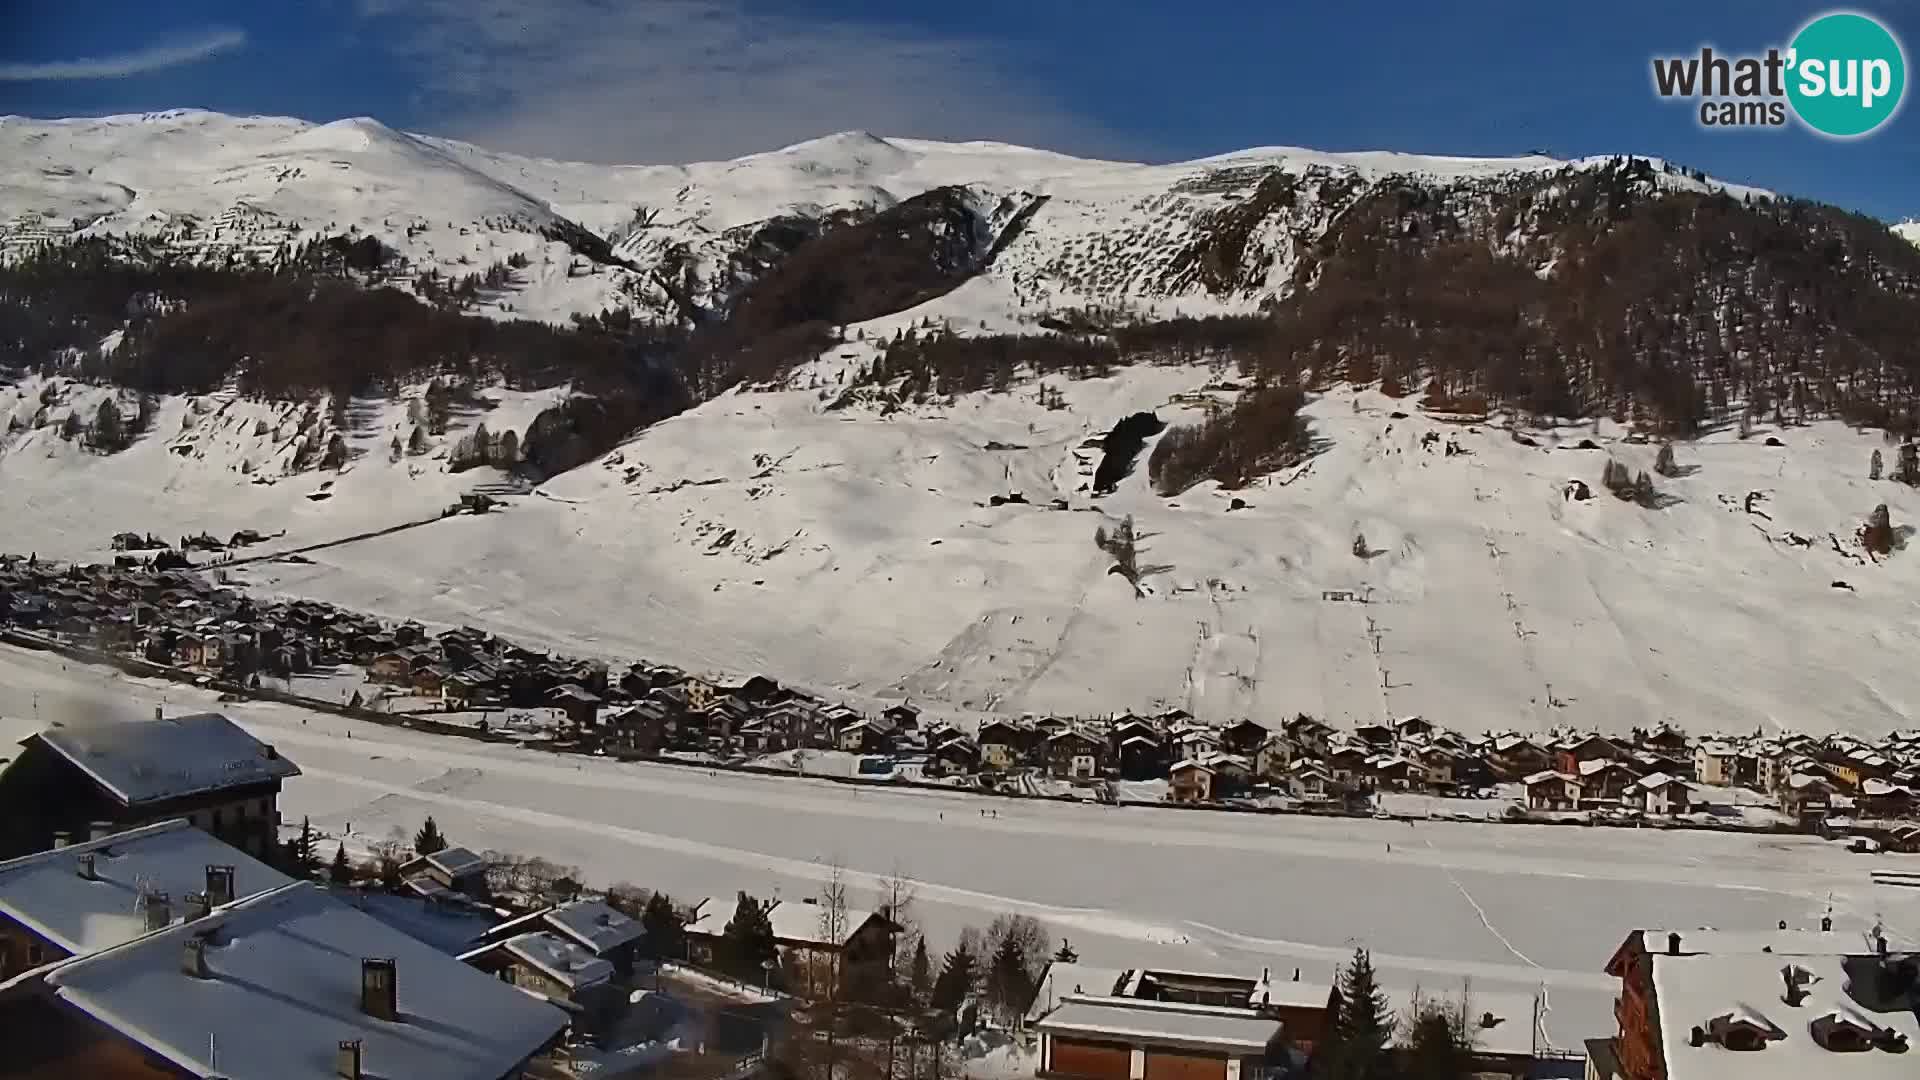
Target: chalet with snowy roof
[
  {"x": 558, "y": 969},
  {"x": 1141, "y": 756},
  {"x": 1412, "y": 727},
  {"x": 1885, "y": 799},
  {"x": 593, "y": 925},
  {"x": 1311, "y": 736},
  {"x": 812, "y": 942},
  {"x": 1378, "y": 736},
  {"x": 904, "y": 716},
  {"x": 1766, "y": 1005},
  {"x": 1808, "y": 796},
  {"x": 1605, "y": 781},
  {"x": 1244, "y": 737},
  {"x": 1075, "y": 753},
  {"x": 87, "y": 897},
  {"x": 1348, "y": 764},
  {"x": 581, "y": 705},
  {"x": 1190, "y": 781},
  {"x": 1660, "y": 795},
  {"x": 1273, "y": 756},
  {"x": 1715, "y": 763},
  {"x": 448, "y": 874},
  {"x": 1104, "y": 1024},
  {"x": 953, "y": 754},
  {"x": 76, "y": 780},
  {"x": 1552, "y": 791},
  {"x": 1570, "y": 752},
  {"x": 1308, "y": 781},
  {"x": 288, "y": 984}
]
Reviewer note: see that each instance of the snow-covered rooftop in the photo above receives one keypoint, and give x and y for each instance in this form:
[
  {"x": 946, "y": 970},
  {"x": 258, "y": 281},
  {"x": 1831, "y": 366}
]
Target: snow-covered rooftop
[
  {"x": 1211, "y": 1027},
  {"x": 143, "y": 761},
  {"x": 284, "y": 991},
  {"x": 595, "y": 925},
  {"x": 1695, "y": 991},
  {"x": 451, "y": 928},
  {"x": 566, "y": 962},
  {"x": 455, "y": 861},
  {"x": 1063, "y": 978},
  {"x": 47, "y": 893}
]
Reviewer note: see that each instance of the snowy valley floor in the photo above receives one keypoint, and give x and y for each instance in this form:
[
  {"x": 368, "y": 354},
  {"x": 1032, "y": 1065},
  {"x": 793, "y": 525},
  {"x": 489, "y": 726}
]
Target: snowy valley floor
[{"x": 1504, "y": 908}]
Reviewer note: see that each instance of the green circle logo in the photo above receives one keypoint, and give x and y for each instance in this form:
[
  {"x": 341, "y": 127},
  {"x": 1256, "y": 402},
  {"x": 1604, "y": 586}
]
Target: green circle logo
[{"x": 1848, "y": 75}]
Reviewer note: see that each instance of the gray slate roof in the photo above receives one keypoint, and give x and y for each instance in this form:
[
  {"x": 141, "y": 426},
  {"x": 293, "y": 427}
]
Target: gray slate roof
[
  {"x": 285, "y": 991},
  {"x": 144, "y": 761}
]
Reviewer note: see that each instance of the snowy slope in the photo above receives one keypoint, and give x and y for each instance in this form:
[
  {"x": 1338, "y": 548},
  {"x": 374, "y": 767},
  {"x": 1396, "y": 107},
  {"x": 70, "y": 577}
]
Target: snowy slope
[
  {"x": 1909, "y": 229},
  {"x": 860, "y": 555},
  {"x": 1105, "y": 233},
  {"x": 221, "y": 463}
]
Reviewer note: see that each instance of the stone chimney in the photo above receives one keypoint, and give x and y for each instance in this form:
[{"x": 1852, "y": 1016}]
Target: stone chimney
[
  {"x": 62, "y": 838},
  {"x": 159, "y": 911},
  {"x": 198, "y": 906},
  {"x": 219, "y": 885},
  {"x": 193, "y": 958},
  {"x": 101, "y": 830},
  {"x": 379, "y": 989},
  {"x": 1673, "y": 944},
  {"x": 1826, "y": 924},
  {"x": 85, "y": 861},
  {"x": 346, "y": 1060},
  {"x": 157, "y": 715}
]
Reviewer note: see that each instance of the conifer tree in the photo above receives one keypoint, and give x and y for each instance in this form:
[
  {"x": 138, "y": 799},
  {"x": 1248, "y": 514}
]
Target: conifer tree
[
  {"x": 1009, "y": 987},
  {"x": 428, "y": 840},
  {"x": 920, "y": 972},
  {"x": 341, "y": 872},
  {"x": 662, "y": 925},
  {"x": 747, "y": 945},
  {"x": 955, "y": 983}
]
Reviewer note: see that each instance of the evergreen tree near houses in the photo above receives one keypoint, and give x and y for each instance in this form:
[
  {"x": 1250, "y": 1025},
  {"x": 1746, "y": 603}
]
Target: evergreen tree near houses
[
  {"x": 1438, "y": 1045},
  {"x": 955, "y": 983},
  {"x": 1356, "y": 1047},
  {"x": 1009, "y": 986},
  {"x": 300, "y": 851},
  {"x": 428, "y": 840},
  {"x": 665, "y": 933},
  {"x": 920, "y": 972},
  {"x": 747, "y": 944},
  {"x": 341, "y": 871}
]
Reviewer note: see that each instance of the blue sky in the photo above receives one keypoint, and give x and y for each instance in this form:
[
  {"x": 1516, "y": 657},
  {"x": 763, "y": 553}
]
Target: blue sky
[{"x": 676, "y": 80}]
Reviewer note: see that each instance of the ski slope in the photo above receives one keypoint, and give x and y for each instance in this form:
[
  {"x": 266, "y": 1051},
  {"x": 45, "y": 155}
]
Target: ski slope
[{"x": 1506, "y": 909}]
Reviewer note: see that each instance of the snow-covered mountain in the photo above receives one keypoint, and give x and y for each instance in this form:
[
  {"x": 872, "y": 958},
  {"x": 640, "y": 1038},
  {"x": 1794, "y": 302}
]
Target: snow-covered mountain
[
  {"x": 941, "y": 549},
  {"x": 1909, "y": 229},
  {"x": 1092, "y": 232}
]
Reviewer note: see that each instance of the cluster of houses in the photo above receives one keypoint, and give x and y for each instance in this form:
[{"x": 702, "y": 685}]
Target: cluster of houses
[
  {"x": 182, "y": 619},
  {"x": 145, "y": 934},
  {"x": 1808, "y": 779}
]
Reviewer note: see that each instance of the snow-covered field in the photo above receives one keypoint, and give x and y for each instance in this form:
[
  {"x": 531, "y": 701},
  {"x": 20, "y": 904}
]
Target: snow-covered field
[
  {"x": 858, "y": 555},
  {"x": 1509, "y": 908}
]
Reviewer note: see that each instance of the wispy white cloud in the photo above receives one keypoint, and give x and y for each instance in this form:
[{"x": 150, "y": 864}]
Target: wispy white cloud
[
  {"x": 688, "y": 80},
  {"x": 171, "y": 52}
]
